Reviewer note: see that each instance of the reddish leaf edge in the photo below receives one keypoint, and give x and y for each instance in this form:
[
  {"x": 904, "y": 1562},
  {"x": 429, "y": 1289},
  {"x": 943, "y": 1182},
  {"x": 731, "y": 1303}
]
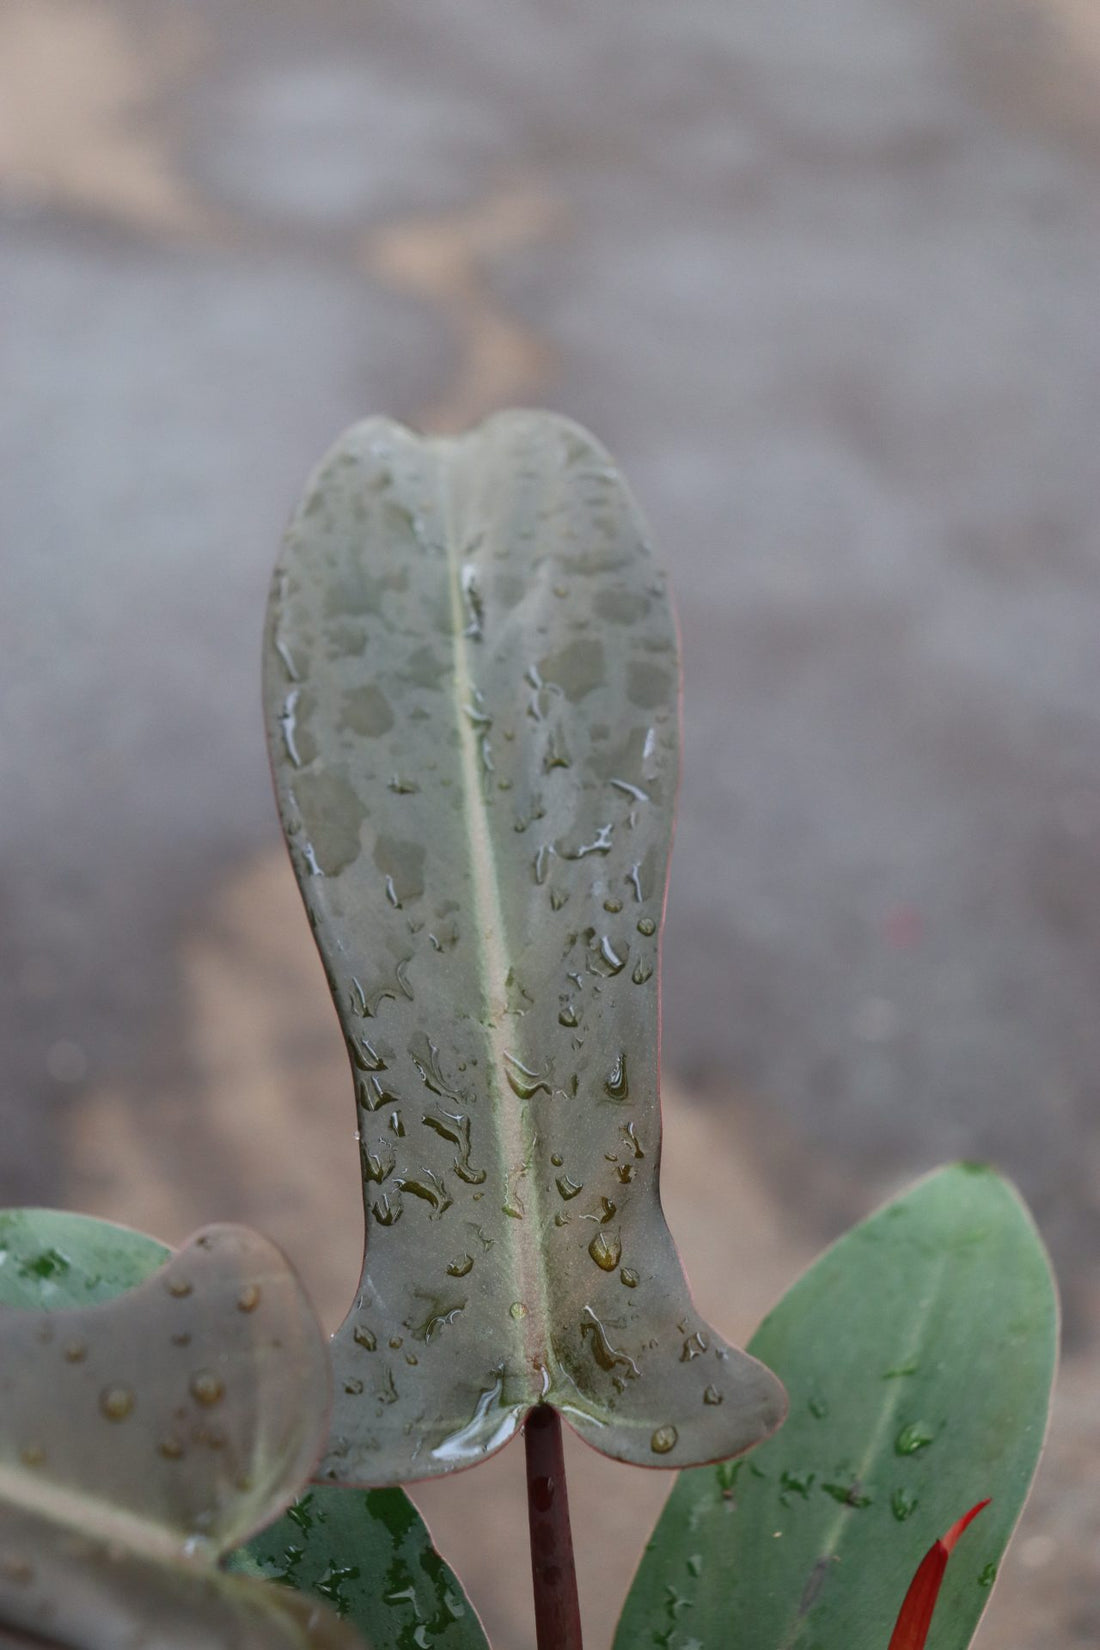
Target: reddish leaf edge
[{"x": 915, "y": 1616}]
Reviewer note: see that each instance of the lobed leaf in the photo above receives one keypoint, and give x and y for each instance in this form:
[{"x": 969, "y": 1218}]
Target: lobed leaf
[
  {"x": 472, "y": 696},
  {"x": 918, "y": 1353}
]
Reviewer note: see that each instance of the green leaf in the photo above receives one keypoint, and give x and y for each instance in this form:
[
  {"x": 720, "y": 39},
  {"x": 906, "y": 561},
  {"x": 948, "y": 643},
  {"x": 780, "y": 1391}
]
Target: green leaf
[
  {"x": 918, "y": 1353},
  {"x": 51, "y": 1259},
  {"x": 144, "y": 1434},
  {"x": 369, "y": 1553},
  {"x": 472, "y": 696}
]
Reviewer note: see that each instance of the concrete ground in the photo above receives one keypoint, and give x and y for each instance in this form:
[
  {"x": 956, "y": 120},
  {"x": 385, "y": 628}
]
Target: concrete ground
[{"x": 823, "y": 274}]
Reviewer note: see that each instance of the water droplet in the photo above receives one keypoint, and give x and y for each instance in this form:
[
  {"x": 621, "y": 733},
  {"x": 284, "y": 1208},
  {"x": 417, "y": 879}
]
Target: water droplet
[
  {"x": 849, "y": 1495},
  {"x": 629, "y": 1277},
  {"x": 557, "y": 899},
  {"x": 902, "y": 1504},
  {"x": 796, "y": 1483},
  {"x": 116, "y": 1402},
  {"x": 249, "y": 1298},
  {"x": 364, "y": 1337},
  {"x": 567, "y": 1187},
  {"x": 818, "y": 1408},
  {"x": 353, "y": 1387},
  {"x": 542, "y": 1493},
  {"x": 663, "y": 1440},
  {"x": 431, "y": 1189},
  {"x": 695, "y": 1566},
  {"x": 206, "y": 1388},
  {"x": 567, "y": 1015},
  {"x": 178, "y": 1287},
  {"x": 614, "y": 906},
  {"x": 694, "y": 1346},
  {"x": 643, "y": 971},
  {"x": 459, "y": 1268},
  {"x": 607, "y": 1356},
  {"x": 171, "y": 1448},
  {"x": 397, "y": 1342},
  {"x": 606, "y": 1251},
  {"x": 646, "y": 926},
  {"x": 607, "y": 960},
  {"x": 711, "y": 1395},
  {"x": 615, "y": 1085},
  {"x": 628, "y": 1134},
  {"x": 988, "y": 1575},
  {"x": 517, "y": 1310},
  {"x": 76, "y": 1351},
  {"x": 914, "y": 1436},
  {"x": 524, "y": 1082},
  {"x": 557, "y": 1160}
]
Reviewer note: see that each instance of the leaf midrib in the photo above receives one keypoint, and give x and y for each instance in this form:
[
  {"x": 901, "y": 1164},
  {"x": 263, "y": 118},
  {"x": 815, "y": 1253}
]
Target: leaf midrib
[{"x": 492, "y": 944}]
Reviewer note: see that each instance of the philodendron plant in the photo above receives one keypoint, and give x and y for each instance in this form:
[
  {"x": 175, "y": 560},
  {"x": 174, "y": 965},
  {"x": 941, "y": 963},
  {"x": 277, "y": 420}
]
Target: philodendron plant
[{"x": 472, "y": 689}]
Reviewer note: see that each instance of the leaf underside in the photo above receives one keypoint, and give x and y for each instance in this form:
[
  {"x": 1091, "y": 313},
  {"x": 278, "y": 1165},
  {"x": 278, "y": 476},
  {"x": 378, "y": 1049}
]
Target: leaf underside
[
  {"x": 144, "y": 1434},
  {"x": 918, "y": 1353},
  {"x": 472, "y": 690}
]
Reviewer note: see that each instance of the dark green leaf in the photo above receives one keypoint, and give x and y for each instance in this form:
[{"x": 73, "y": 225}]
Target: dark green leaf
[
  {"x": 369, "y": 1554},
  {"x": 918, "y": 1354},
  {"x": 471, "y": 686}
]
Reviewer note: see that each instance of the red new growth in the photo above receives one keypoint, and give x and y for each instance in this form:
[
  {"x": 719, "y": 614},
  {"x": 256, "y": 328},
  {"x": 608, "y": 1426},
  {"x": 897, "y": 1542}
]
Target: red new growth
[{"x": 915, "y": 1617}]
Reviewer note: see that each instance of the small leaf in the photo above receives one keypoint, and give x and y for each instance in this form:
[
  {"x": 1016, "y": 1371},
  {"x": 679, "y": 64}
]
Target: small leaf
[
  {"x": 915, "y": 1616},
  {"x": 918, "y": 1353},
  {"x": 369, "y": 1554},
  {"x": 143, "y": 1436},
  {"x": 472, "y": 691}
]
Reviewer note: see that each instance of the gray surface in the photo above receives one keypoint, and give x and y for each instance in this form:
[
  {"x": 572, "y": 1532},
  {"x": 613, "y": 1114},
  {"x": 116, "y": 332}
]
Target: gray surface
[{"x": 824, "y": 278}]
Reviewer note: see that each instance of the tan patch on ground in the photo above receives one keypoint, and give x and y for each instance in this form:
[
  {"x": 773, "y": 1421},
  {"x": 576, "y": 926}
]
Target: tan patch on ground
[
  {"x": 256, "y": 1124},
  {"x": 447, "y": 260},
  {"x": 1037, "y": 62},
  {"x": 76, "y": 124}
]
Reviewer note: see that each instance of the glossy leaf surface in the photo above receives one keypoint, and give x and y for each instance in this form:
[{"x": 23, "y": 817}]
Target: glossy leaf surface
[
  {"x": 144, "y": 1435},
  {"x": 918, "y": 1354},
  {"x": 472, "y": 695},
  {"x": 370, "y": 1554}
]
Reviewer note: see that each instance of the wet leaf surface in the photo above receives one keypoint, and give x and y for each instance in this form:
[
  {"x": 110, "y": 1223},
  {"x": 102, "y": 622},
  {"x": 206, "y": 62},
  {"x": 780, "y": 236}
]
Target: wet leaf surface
[
  {"x": 370, "y": 1554},
  {"x": 918, "y": 1353},
  {"x": 472, "y": 695},
  {"x": 145, "y": 1434}
]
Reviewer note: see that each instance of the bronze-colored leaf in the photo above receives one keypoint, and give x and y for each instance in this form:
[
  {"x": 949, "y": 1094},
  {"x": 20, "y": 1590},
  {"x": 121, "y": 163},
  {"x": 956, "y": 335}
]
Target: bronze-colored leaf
[{"x": 472, "y": 694}]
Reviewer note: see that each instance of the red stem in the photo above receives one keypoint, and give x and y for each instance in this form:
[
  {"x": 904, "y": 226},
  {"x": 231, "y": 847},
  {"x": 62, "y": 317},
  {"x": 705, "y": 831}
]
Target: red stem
[{"x": 553, "y": 1573}]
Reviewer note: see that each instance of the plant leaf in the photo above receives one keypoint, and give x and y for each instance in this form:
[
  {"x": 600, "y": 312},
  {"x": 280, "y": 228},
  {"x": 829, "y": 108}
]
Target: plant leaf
[
  {"x": 918, "y": 1353},
  {"x": 369, "y": 1552},
  {"x": 472, "y": 693},
  {"x": 142, "y": 1436}
]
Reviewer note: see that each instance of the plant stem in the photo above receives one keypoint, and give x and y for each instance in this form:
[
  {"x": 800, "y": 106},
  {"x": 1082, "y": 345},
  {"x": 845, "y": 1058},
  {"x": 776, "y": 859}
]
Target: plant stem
[{"x": 553, "y": 1573}]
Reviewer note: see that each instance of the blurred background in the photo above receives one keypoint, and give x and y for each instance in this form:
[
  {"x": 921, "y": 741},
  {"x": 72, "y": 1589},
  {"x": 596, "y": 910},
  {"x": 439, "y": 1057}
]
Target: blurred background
[{"x": 825, "y": 276}]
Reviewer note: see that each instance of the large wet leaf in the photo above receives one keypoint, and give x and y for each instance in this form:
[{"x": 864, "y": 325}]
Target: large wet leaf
[
  {"x": 143, "y": 1436},
  {"x": 472, "y": 688},
  {"x": 918, "y": 1354},
  {"x": 369, "y": 1552}
]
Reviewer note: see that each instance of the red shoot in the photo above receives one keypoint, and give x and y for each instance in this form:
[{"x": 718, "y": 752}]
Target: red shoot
[{"x": 915, "y": 1616}]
